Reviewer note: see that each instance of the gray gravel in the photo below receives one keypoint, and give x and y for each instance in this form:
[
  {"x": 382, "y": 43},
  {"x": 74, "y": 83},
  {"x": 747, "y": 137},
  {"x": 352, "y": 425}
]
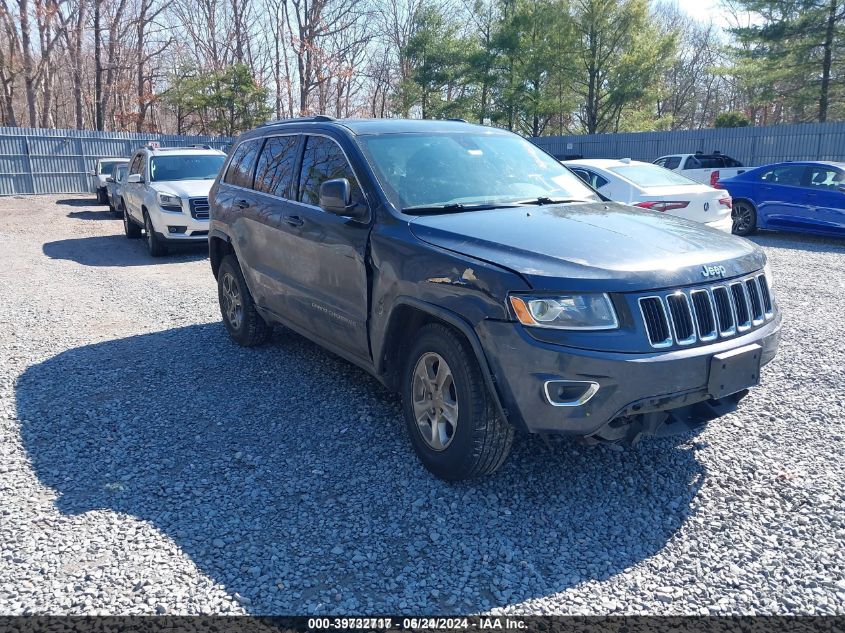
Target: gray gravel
[{"x": 149, "y": 465}]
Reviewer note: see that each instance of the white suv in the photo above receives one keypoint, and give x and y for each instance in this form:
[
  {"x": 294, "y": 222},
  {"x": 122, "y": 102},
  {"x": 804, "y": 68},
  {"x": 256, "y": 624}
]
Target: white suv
[{"x": 166, "y": 194}]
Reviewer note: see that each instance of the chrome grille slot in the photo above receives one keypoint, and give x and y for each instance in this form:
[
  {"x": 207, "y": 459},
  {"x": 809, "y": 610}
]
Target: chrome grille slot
[
  {"x": 656, "y": 321},
  {"x": 681, "y": 317},
  {"x": 754, "y": 300},
  {"x": 705, "y": 317},
  {"x": 764, "y": 292},
  {"x": 199, "y": 208},
  {"x": 691, "y": 315},
  {"x": 740, "y": 301},
  {"x": 724, "y": 311}
]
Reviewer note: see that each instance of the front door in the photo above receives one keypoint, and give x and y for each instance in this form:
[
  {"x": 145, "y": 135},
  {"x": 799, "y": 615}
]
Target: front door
[{"x": 327, "y": 274}]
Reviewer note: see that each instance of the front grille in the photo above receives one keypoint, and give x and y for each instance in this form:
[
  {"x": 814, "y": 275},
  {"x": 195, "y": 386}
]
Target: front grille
[
  {"x": 199, "y": 208},
  {"x": 686, "y": 316}
]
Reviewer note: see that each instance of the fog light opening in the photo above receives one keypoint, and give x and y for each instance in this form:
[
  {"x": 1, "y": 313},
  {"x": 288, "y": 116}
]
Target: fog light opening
[
  {"x": 176, "y": 229},
  {"x": 569, "y": 393}
]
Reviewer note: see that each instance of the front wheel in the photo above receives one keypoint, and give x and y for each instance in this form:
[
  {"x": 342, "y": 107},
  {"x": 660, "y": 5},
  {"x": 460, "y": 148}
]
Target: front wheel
[
  {"x": 132, "y": 230},
  {"x": 242, "y": 321},
  {"x": 744, "y": 218},
  {"x": 102, "y": 196},
  {"x": 449, "y": 413},
  {"x": 155, "y": 245}
]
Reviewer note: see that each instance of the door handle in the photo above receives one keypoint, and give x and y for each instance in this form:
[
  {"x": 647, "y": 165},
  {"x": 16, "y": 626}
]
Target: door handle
[
  {"x": 242, "y": 204},
  {"x": 293, "y": 220}
]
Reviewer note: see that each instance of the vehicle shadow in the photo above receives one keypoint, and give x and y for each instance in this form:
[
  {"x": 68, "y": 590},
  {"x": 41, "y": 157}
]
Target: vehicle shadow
[
  {"x": 284, "y": 473},
  {"x": 116, "y": 250},
  {"x": 79, "y": 202},
  {"x": 799, "y": 241},
  {"x": 105, "y": 214}
]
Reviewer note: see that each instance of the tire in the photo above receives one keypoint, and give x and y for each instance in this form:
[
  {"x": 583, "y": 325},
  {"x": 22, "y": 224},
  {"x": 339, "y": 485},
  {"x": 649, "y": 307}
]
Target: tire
[
  {"x": 155, "y": 245},
  {"x": 102, "y": 196},
  {"x": 132, "y": 230},
  {"x": 477, "y": 440},
  {"x": 111, "y": 206},
  {"x": 118, "y": 208},
  {"x": 744, "y": 217},
  {"x": 249, "y": 328}
]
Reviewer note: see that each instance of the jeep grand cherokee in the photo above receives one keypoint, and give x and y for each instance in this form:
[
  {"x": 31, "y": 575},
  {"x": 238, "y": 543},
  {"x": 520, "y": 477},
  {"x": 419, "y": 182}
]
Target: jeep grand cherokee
[{"x": 470, "y": 271}]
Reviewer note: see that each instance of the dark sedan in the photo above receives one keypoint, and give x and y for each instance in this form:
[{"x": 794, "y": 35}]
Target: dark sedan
[{"x": 797, "y": 196}]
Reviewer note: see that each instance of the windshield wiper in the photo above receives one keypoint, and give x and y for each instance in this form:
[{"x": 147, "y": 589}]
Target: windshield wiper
[
  {"x": 453, "y": 207},
  {"x": 545, "y": 200}
]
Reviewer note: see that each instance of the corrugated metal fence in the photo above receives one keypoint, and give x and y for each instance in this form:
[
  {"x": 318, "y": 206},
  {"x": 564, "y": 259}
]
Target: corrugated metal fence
[
  {"x": 750, "y": 145},
  {"x": 59, "y": 161}
]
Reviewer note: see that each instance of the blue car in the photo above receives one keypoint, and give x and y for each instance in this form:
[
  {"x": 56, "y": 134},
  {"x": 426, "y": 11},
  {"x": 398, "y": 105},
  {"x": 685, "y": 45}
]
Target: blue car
[{"x": 797, "y": 196}]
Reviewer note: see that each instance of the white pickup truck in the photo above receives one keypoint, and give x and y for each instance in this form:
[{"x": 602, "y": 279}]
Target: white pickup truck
[{"x": 701, "y": 167}]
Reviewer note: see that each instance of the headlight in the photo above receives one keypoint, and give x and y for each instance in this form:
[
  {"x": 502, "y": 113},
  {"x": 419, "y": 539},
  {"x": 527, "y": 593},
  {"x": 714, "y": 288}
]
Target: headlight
[
  {"x": 767, "y": 271},
  {"x": 169, "y": 202},
  {"x": 566, "y": 312}
]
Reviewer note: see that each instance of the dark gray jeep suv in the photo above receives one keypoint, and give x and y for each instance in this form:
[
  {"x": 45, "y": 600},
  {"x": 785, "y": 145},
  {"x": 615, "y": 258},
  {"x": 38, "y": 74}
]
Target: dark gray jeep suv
[{"x": 470, "y": 271}]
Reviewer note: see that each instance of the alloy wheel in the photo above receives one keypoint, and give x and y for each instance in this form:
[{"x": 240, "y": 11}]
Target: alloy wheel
[
  {"x": 435, "y": 401},
  {"x": 742, "y": 217},
  {"x": 232, "y": 303}
]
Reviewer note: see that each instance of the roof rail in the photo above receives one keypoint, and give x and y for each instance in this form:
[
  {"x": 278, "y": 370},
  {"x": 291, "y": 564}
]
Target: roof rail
[
  {"x": 304, "y": 119},
  {"x": 201, "y": 146}
]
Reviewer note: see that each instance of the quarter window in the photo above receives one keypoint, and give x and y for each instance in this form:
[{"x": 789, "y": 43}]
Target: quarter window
[
  {"x": 240, "y": 169},
  {"x": 324, "y": 160},
  {"x": 274, "y": 172}
]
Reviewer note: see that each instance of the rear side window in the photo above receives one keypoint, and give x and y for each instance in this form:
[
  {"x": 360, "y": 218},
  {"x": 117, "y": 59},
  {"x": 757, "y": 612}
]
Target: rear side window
[
  {"x": 790, "y": 175},
  {"x": 591, "y": 178},
  {"x": 324, "y": 160},
  {"x": 274, "y": 172},
  {"x": 240, "y": 169}
]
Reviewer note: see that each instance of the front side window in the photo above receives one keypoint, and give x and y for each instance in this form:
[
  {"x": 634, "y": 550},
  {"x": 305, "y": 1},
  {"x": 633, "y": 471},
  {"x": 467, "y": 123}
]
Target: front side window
[
  {"x": 119, "y": 173},
  {"x": 431, "y": 169},
  {"x": 135, "y": 167},
  {"x": 185, "y": 167},
  {"x": 274, "y": 172},
  {"x": 324, "y": 160},
  {"x": 673, "y": 162},
  {"x": 826, "y": 177},
  {"x": 239, "y": 172},
  {"x": 651, "y": 176},
  {"x": 591, "y": 178}
]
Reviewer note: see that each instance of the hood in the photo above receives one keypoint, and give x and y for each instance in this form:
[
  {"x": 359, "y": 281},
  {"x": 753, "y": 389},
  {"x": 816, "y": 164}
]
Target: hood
[
  {"x": 592, "y": 246},
  {"x": 184, "y": 188}
]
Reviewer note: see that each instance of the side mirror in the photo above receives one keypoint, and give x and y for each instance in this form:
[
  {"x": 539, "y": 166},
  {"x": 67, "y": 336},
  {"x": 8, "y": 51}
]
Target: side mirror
[
  {"x": 134, "y": 178},
  {"x": 109, "y": 179},
  {"x": 93, "y": 172},
  {"x": 336, "y": 198}
]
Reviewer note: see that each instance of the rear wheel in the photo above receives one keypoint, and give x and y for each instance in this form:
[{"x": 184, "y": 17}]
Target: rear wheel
[
  {"x": 132, "y": 230},
  {"x": 744, "y": 217},
  {"x": 449, "y": 413},
  {"x": 155, "y": 245},
  {"x": 242, "y": 321}
]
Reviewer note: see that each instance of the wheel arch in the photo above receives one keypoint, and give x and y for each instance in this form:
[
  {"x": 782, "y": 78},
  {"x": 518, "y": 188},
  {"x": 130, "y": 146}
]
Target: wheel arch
[
  {"x": 219, "y": 245},
  {"x": 407, "y": 317}
]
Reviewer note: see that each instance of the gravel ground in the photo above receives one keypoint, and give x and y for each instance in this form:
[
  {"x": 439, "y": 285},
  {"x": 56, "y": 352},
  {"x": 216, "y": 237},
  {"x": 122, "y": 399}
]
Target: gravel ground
[{"x": 149, "y": 465}]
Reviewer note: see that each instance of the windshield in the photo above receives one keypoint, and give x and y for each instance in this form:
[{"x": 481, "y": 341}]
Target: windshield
[
  {"x": 106, "y": 167},
  {"x": 651, "y": 176},
  {"x": 418, "y": 170},
  {"x": 186, "y": 167}
]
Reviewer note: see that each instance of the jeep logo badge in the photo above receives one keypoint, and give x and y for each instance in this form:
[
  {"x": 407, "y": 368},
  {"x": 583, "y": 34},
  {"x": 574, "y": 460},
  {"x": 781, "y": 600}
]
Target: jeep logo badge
[{"x": 713, "y": 271}]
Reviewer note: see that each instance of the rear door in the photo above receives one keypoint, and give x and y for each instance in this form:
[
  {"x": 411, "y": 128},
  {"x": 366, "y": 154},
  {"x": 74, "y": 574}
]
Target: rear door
[{"x": 328, "y": 278}]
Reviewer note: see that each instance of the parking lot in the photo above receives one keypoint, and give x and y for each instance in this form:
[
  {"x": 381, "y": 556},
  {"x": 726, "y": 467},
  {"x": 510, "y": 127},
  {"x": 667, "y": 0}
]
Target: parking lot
[{"x": 150, "y": 465}]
